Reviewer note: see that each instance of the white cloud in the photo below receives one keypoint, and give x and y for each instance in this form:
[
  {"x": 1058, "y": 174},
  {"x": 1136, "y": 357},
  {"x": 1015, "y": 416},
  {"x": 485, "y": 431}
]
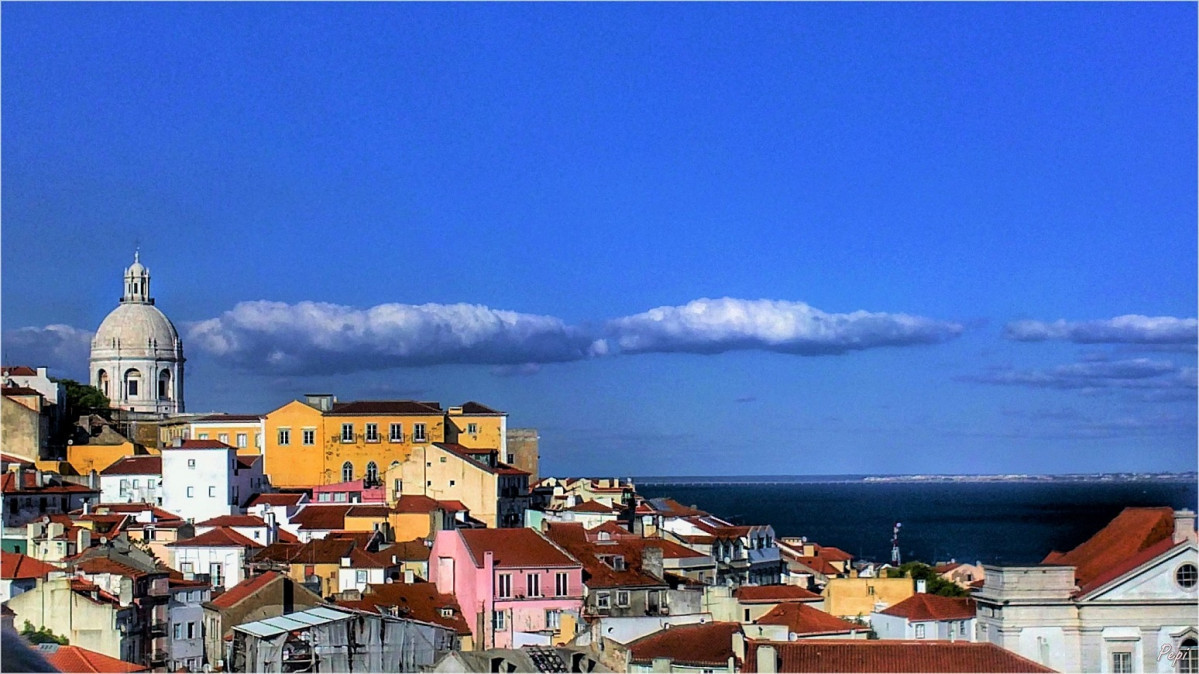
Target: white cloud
[
  {"x": 1154, "y": 379},
  {"x": 716, "y": 326},
  {"x": 312, "y": 337},
  {"x": 61, "y": 348},
  {"x": 1130, "y": 329}
]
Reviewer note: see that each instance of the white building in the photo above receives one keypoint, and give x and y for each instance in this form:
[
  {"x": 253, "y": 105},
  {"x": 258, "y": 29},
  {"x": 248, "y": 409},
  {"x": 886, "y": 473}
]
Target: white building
[
  {"x": 137, "y": 356},
  {"x": 132, "y": 479},
  {"x": 186, "y": 620},
  {"x": 203, "y": 479},
  {"x": 927, "y": 616},
  {"x": 38, "y": 380},
  {"x": 1123, "y": 601},
  {"x": 220, "y": 553}
]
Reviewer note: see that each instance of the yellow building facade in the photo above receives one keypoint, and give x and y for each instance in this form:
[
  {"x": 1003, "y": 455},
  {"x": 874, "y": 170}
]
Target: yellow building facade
[
  {"x": 320, "y": 441},
  {"x": 859, "y": 597},
  {"x": 246, "y": 432},
  {"x": 478, "y": 427}
]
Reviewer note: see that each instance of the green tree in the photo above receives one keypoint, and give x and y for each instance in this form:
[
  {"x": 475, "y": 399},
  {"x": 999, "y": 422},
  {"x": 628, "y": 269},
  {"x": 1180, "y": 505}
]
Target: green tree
[
  {"x": 933, "y": 582},
  {"x": 41, "y": 635},
  {"x": 82, "y": 397}
]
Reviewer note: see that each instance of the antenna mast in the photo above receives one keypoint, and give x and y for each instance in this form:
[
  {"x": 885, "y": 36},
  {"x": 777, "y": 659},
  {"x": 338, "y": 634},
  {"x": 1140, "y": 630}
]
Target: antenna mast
[{"x": 895, "y": 544}]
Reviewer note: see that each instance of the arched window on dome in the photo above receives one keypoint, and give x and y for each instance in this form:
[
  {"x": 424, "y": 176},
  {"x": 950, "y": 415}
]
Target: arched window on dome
[
  {"x": 347, "y": 471},
  {"x": 164, "y": 385},
  {"x": 372, "y": 473},
  {"x": 133, "y": 380},
  {"x": 102, "y": 382}
]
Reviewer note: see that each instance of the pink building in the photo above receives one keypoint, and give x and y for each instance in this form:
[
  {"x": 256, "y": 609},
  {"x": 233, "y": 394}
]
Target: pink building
[
  {"x": 354, "y": 491},
  {"x": 513, "y": 585}
]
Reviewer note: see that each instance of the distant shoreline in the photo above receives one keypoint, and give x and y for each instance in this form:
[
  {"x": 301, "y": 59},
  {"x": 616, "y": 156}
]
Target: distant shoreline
[{"x": 884, "y": 479}]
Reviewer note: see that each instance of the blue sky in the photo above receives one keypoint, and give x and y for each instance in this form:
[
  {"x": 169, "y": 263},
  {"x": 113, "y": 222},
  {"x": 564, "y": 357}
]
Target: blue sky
[{"x": 676, "y": 238}]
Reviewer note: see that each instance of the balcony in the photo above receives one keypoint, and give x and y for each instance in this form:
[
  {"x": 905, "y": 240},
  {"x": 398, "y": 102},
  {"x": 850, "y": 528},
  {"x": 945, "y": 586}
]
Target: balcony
[
  {"x": 159, "y": 628},
  {"x": 158, "y": 656}
]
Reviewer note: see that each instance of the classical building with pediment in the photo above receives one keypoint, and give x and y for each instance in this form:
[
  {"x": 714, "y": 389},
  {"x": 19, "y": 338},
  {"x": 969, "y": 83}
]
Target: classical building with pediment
[{"x": 1125, "y": 600}]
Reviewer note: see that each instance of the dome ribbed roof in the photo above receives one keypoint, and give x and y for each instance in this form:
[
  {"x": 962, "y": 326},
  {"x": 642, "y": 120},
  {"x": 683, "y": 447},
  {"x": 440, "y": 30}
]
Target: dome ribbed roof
[{"x": 136, "y": 326}]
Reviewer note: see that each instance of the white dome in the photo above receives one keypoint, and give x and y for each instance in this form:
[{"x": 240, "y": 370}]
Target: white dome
[
  {"x": 136, "y": 328},
  {"x": 135, "y": 268}
]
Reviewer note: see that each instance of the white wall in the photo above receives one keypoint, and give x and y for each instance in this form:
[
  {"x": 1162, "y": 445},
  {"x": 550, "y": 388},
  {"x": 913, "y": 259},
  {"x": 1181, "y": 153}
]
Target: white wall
[
  {"x": 347, "y": 578},
  {"x": 208, "y": 473},
  {"x": 147, "y": 490},
  {"x": 202, "y": 558}
]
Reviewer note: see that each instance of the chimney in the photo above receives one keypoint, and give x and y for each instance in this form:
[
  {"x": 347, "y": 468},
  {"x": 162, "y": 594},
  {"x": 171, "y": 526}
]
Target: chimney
[
  {"x": 651, "y": 561},
  {"x": 272, "y": 528},
  {"x": 87, "y": 507},
  {"x": 767, "y": 659},
  {"x": 83, "y": 540},
  {"x": 739, "y": 645},
  {"x": 921, "y": 586},
  {"x": 1184, "y": 525}
]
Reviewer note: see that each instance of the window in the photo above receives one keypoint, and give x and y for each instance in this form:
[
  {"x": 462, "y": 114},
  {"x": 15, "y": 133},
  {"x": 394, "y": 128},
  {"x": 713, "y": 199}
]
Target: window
[
  {"x": 472, "y": 429},
  {"x": 191, "y": 630},
  {"x": 347, "y": 471},
  {"x": 191, "y": 491},
  {"x": 497, "y": 620},
  {"x": 223, "y": 437},
  {"x": 919, "y": 630},
  {"x": 136, "y": 483},
  {"x": 178, "y": 630},
  {"x": 360, "y": 577},
  {"x": 185, "y": 567},
  {"x": 212, "y": 492},
  {"x": 214, "y": 570},
  {"x": 746, "y": 615},
  {"x": 285, "y": 436},
  {"x": 602, "y": 601},
  {"x": 396, "y": 434},
  {"x": 533, "y": 584},
  {"x": 242, "y": 439},
  {"x": 191, "y": 463},
  {"x": 324, "y": 497},
  {"x": 560, "y": 584},
  {"x": 372, "y": 473},
  {"x": 418, "y": 432},
  {"x": 553, "y": 619},
  {"x": 339, "y": 497},
  {"x": 124, "y": 487},
  {"x": 622, "y": 597},
  {"x": 308, "y": 436},
  {"x": 1186, "y": 576},
  {"x": 372, "y": 432},
  {"x": 1188, "y": 657},
  {"x": 132, "y": 387},
  {"x": 511, "y": 458},
  {"x": 347, "y": 432},
  {"x": 258, "y": 440},
  {"x": 1121, "y": 662},
  {"x": 504, "y": 590},
  {"x": 202, "y": 436}
]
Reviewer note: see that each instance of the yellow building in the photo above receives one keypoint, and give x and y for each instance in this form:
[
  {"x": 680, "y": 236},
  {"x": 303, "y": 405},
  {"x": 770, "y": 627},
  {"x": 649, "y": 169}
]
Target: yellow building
[
  {"x": 859, "y": 597},
  {"x": 478, "y": 427},
  {"x": 243, "y": 431},
  {"x": 493, "y": 492}
]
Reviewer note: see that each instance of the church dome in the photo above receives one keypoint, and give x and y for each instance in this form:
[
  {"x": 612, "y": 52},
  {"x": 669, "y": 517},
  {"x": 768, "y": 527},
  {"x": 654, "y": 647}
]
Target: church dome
[{"x": 136, "y": 328}]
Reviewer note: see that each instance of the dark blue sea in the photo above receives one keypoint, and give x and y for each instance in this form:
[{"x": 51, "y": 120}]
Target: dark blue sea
[{"x": 993, "y": 522}]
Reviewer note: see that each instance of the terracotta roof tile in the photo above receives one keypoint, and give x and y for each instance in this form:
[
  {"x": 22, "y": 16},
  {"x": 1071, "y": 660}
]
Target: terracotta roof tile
[
  {"x": 590, "y": 507},
  {"x": 11, "y": 458},
  {"x": 198, "y": 444},
  {"x": 18, "y": 371},
  {"x": 773, "y": 594},
  {"x": 922, "y": 607},
  {"x": 804, "y": 620},
  {"x": 704, "y": 644},
  {"x": 20, "y": 391},
  {"x": 15, "y": 566},
  {"x": 135, "y": 465},
  {"x": 28, "y": 484},
  {"x": 102, "y": 565},
  {"x": 408, "y": 551},
  {"x": 418, "y": 601},
  {"x": 247, "y": 461},
  {"x": 1142, "y": 557},
  {"x": 221, "y": 537},
  {"x": 672, "y": 508},
  {"x": 514, "y": 548},
  {"x": 233, "y": 521},
  {"x": 1132, "y": 531},
  {"x": 76, "y": 659},
  {"x": 321, "y": 517},
  {"x": 275, "y": 499},
  {"x": 412, "y": 504},
  {"x": 860, "y": 655},
  {"x": 228, "y": 418},
  {"x": 248, "y": 587},
  {"x": 598, "y": 573},
  {"x": 386, "y": 407},
  {"x": 472, "y": 407}
]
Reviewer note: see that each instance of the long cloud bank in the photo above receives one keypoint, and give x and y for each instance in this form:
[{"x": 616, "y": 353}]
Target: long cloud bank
[
  {"x": 1151, "y": 379},
  {"x": 323, "y": 338},
  {"x": 320, "y": 338},
  {"x": 1130, "y": 329},
  {"x": 61, "y": 348},
  {"x": 715, "y": 326}
]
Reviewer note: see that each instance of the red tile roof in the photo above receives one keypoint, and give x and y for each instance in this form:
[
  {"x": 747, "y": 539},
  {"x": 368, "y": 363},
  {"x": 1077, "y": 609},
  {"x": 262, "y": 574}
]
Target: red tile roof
[
  {"x": 922, "y": 606},
  {"x": 19, "y": 371},
  {"x": 453, "y": 506},
  {"x": 248, "y": 460},
  {"x": 233, "y": 521},
  {"x": 275, "y": 499},
  {"x": 321, "y": 517},
  {"x": 832, "y": 554},
  {"x": 76, "y": 659},
  {"x": 946, "y": 568},
  {"x": 598, "y": 573},
  {"x": 804, "y": 620},
  {"x": 704, "y": 644},
  {"x": 672, "y": 508},
  {"x": 1131, "y": 532},
  {"x": 861, "y": 655},
  {"x": 131, "y": 509},
  {"x": 505, "y": 469},
  {"x": 418, "y": 601},
  {"x": 773, "y": 594},
  {"x": 28, "y": 484},
  {"x": 221, "y": 537},
  {"x": 20, "y": 391},
  {"x": 228, "y": 418},
  {"x": 590, "y": 507},
  {"x": 412, "y": 504},
  {"x": 10, "y": 458},
  {"x": 135, "y": 465},
  {"x": 243, "y": 590},
  {"x": 614, "y": 530},
  {"x": 408, "y": 551},
  {"x": 514, "y": 548},
  {"x": 1142, "y": 557},
  {"x": 15, "y": 566},
  {"x": 472, "y": 407},
  {"x": 386, "y": 407},
  {"x": 102, "y": 565}
]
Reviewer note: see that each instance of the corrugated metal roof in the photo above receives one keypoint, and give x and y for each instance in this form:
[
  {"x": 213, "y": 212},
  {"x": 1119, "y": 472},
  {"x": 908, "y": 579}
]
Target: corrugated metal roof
[{"x": 293, "y": 621}]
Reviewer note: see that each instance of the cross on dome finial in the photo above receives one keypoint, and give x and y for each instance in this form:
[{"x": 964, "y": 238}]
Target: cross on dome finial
[{"x": 137, "y": 254}]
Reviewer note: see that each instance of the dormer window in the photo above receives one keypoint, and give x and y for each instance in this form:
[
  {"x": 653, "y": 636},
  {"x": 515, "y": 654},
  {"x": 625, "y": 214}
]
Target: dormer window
[{"x": 446, "y": 612}]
